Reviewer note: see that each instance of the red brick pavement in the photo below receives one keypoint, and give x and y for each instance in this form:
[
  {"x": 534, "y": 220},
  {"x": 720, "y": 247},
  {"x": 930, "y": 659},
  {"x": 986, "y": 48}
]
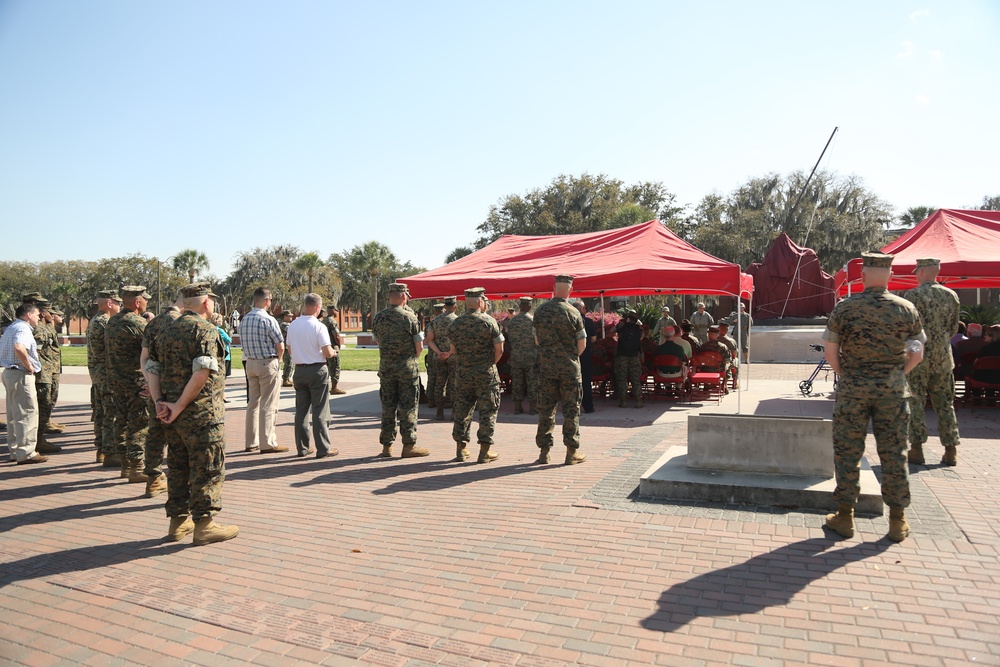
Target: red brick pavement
[{"x": 355, "y": 560}]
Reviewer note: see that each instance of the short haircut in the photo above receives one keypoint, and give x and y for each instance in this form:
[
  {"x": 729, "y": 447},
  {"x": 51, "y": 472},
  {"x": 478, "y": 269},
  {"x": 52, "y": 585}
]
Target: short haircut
[
  {"x": 669, "y": 331},
  {"x": 261, "y": 293},
  {"x": 24, "y": 309},
  {"x": 994, "y": 332},
  {"x": 975, "y": 330},
  {"x": 961, "y": 327},
  {"x": 193, "y": 302},
  {"x": 312, "y": 300}
]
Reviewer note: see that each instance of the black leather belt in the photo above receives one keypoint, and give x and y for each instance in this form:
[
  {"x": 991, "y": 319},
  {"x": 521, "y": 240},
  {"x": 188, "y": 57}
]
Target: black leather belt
[{"x": 318, "y": 363}]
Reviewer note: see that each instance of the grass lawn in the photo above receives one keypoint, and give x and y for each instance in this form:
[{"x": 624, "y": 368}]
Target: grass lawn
[{"x": 351, "y": 359}]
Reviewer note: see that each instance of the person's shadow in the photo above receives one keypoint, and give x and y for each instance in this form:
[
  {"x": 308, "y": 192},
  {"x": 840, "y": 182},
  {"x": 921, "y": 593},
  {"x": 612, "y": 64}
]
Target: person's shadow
[{"x": 768, "y": 580}]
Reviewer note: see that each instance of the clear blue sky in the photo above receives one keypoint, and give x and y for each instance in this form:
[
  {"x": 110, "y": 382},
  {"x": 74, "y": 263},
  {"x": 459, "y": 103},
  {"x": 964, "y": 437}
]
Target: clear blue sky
[{"x": 157, "y": 126}]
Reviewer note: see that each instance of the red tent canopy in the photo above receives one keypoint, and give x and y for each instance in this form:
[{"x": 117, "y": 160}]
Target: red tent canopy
[
  {"x": 966, "y": 242},
  {"x": 642, "y": 259},
  {"x": 790, "y": 283}
]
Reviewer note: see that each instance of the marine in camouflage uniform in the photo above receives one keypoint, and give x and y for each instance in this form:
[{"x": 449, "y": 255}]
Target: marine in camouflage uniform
[
  {"x": 187, "y": 353},
  {"x": 57, "y": 320},
  {"x": 939, "y": 310},
  {"x": 440, "y": 344},
  {"x": 523, "y": 358},
  {"x": 561, "y": 338},
  {"x": 123, "y": 338},
  {"x": 430, "y": 359},
  {"x": 286, "y": 358},
  {"x": 628, "y": 358},
  {"x": 872, "y": 340},
  {"x": 100, "y": 390},
  {"x": 333, "y": 363},
  {"x": 399, "y": 341},
  {"x": 46, "y": 380},
  {"x": 665, "y": 321},
  {"x": 478, "y": 345},
  {"x": 156, "y": 436}
]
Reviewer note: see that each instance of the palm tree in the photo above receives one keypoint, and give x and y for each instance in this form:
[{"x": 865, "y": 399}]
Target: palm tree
[
  {"x": 916, "y": 214},
  {"x": 308, "y": 264},
  {"x": 190, "y": 261},
  {"x": 375, "y": 260}
]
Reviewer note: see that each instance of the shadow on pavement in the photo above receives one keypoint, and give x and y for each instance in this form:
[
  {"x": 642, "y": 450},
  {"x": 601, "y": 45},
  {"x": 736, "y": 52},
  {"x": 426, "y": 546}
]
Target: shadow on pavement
[
  {"x": 468, "y": 475},
  {"x": 71, "y": 512},
  {"x": 84, "y": 558},
  {"x": 767, "y": 580}
]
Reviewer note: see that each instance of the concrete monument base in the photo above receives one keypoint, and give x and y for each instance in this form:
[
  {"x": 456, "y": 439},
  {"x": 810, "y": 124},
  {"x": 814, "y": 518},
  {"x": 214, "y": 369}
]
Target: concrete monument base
[{"x": 670, "y": 477}]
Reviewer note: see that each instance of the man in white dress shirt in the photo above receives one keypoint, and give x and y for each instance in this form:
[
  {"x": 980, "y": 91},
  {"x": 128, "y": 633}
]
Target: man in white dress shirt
[{"x": 309, "y": 344}]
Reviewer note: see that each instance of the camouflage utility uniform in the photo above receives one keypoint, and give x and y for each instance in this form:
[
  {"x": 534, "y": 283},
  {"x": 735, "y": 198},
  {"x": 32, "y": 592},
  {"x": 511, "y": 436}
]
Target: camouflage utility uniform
[
  {"x": 523, "y": 359},
  {"x": 872, "y": 329},
  {"x": 286, "y": 359},
  {"x": 47, "y": 380},
  {"x": 100, "y": 393},
  {"x": 558, "y": 326},
  {"x": 444, "y": 377},
  {"x": 939, "y": 310},
  {"x": 156, "y": 436},
  {"x": 398, "y": 332},
  {"x": 196, "y": 447},
  {"x": 430, "y": 365},
  {"x": 333, "y": 363},
  {"x": 123, "y": 337},
  {"x": 473, "y": 336}
]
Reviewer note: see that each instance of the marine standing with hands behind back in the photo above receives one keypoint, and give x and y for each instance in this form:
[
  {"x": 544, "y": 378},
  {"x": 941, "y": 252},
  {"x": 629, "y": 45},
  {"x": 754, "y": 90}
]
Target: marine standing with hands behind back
[
  {"x": 939, "y": 310},
  {"x": 400, "y": 343},
  {"x": 872, "y": 341},
  {"x": 561, "y": 338}
]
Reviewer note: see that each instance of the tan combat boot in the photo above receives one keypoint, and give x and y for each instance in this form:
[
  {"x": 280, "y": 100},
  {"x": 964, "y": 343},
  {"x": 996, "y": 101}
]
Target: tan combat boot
[
  {"x": 950, "y": 457},
  {"x": 439, "y": 415},
  {"x": 518, "y": 408},
  {"x": 544, "y": 455},
  {"x": 486, "y": 455},
  {"x": 156, "y": 485},
  {"x": 412, "y": 452},
  {"x": 100, "y": 456},
  {"x": 573, "y": 457},
  {"x": 842, "y": 522},
  {"x": 898, "y": 528},
  {"x": 461, "y": 453},
  {"x": 916, "y": 455},
  {"x": 125, "y": 464},
  {"x": 111, "y": 461},
  {"x": 180, "y": 527},
  {"x": 386, "y": 452},
  {"x": 337, "y": 391},
  {"x": 207, "y": 531},
  {"x": 136, "y": 475},
  {"x": 54, "y": 427}
]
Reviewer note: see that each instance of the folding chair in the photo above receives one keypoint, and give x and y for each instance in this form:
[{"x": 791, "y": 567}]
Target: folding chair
[
  {"x": 669, "y": 387},
  {"x": 980, "y": 389},
  {"x": 708, "y": 379}
]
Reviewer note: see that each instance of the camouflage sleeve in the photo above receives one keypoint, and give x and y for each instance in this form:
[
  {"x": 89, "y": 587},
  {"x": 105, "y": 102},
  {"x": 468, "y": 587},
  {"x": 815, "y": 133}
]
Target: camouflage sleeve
[
  {"x": 211, "y": 363},
  {"x": 581, "y": 330},
  {"x": 833, "y": 326},
  {"x": 208, "y": 349},
  {"x": 495, "y": 330},
  {"x": 152, "y": 366},
  {"x": 415, "y": 332}
]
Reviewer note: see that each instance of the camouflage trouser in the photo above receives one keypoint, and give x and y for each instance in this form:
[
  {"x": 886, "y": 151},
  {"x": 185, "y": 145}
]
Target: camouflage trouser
[
  {"x": 156, "y": 440},
  {"x": 399, "y": 400},
  {"x": 109, "y": 445},
  {"x": 43, "y": 392},
  {"x": 628, "y": 369},
  {"x": 524, "y": 382},
  {"x": 478, "y": 388},
  {"x": 333, "y": 366},
  {"x": 941, "y": 388},
  {"x": 430, "y": 363},
  {"x": 288, "y": 368},
  {"x": 196, "y": 468},
  {"x": 131, "y": 420},
  {"x": 887, "y": 407},
  {"x": 97, "y": 406},
  {"x": 444, "y": 378},
  {"x": 550, "y": 391}
]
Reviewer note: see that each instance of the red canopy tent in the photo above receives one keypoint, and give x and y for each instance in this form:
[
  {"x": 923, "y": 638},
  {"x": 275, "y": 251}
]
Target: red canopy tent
[
  {"x": 642, "y": 259},
  {"x": 966, "y": 242},
  {"x": 790, "y": 283}
]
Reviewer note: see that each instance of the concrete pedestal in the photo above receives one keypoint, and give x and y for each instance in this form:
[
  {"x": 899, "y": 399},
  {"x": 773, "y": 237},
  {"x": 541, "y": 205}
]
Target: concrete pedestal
[{"x": 757, "y": 460}]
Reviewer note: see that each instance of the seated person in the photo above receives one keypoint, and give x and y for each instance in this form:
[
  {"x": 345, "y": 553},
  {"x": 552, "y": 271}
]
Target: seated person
[
  {"x": 672, "y": 346},
  {"x": 730, "y": 343},
  {"x": 686, "y": 329},
  {"x": 990, "y": 349},
  {"x": 969, "y": 348},
  {"x": 958, "y": 338},
  {"x": 713, "y": 344}
]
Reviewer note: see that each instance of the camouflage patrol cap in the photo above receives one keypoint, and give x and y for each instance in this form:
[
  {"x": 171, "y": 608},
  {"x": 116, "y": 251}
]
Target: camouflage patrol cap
[
  {"x": 138, "y": 290},
  {"x": 42, "y": 303},
  {"x": 511, "y": 310},
  {"x": 56, "y": 311},
  {"x": 31, "y": 297},
  {"x": 723, "y": 323},
  {"x": 714, "y": 328},
  {"x": 929, "y": 261},
  {"x": 450, "y": 301},
  {"x": 438, "y": 304},
  {"x": 525, "y": 299},
  {"x": 877, "y": 260},
  {"x": 107, "y": 294},
  {"x": 564, "y": 279},
  {"x": 400, "y": 288},
  {"x": 475, "y": 292},
  {"x": 665, "y": 309},
  {"x": 286, "y": 313},
  {"x": 194, "y": 289}
]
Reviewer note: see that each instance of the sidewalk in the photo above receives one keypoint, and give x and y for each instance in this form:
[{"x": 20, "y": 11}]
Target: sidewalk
[{"x": 352, "y": 559}]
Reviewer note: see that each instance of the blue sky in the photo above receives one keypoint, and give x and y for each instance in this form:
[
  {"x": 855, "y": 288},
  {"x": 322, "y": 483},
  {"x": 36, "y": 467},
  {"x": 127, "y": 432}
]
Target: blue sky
[{"x": 153, "y": 127}]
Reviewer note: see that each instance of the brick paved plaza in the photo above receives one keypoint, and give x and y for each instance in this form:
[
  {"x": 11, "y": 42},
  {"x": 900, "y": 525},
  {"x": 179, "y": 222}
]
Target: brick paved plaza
[{"x": 412, "y": 562}]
